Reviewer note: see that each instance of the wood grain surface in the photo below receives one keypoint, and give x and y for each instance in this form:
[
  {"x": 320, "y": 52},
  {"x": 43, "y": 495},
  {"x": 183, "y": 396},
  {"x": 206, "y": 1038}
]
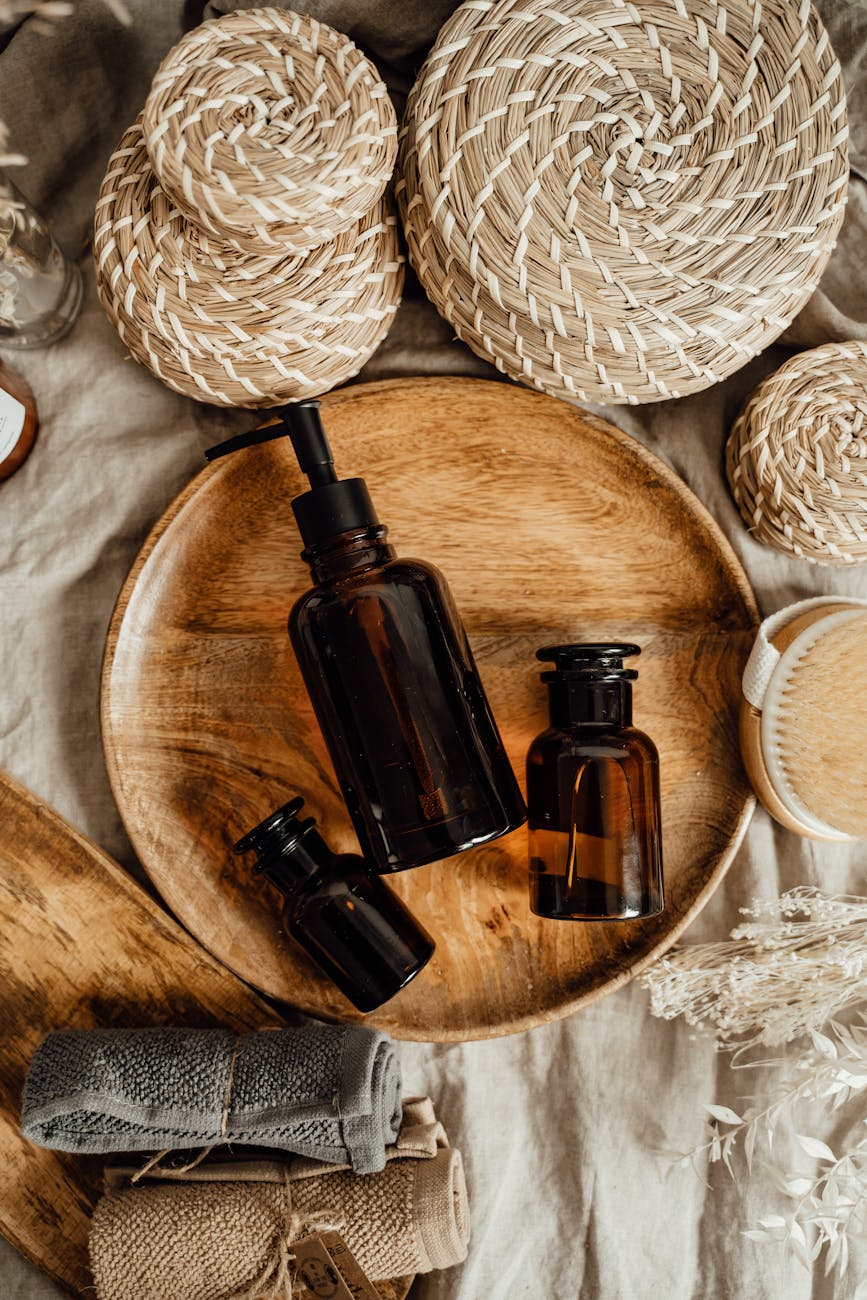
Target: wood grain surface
[
  {"x": 82, "y": 945},
  {"x": 551, "y": 525}
]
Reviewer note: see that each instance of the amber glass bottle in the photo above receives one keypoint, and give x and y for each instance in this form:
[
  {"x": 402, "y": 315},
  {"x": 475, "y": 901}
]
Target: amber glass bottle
[
  {"x": 349, "y": 921},
  {"x": 390, "y": 674},
  {"x": 593, "y": 793}
]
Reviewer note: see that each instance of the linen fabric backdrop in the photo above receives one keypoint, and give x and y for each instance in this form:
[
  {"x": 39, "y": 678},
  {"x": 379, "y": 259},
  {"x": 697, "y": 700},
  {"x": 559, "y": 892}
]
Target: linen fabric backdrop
[{"x": 564, "y": 1129}]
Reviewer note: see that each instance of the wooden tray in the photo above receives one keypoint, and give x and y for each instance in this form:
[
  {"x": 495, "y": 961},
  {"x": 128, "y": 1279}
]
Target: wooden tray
[
  {"x": 551, "y": 525},
  {"x": 80, "y": 945}
]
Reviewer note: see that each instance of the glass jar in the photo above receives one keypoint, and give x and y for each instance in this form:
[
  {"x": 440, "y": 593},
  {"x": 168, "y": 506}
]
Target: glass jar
[
  {"x": 593, "y": 793},
  {"x": 40, "y": 290}
]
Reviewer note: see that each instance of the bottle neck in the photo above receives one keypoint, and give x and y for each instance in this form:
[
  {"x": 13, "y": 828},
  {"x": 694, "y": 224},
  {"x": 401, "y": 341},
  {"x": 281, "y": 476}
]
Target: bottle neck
[
  {"x": 289, "y": 865},
  {"x": 348, "y": 552},
  {"x": 576, "y": 703}
]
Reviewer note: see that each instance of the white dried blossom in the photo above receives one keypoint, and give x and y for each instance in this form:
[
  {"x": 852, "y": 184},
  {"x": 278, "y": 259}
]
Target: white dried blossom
[
  {"x": 790, "y": 972},
  {"x": 8, "y": 159},
  {"x": 45, "y": 12},
  {"x": 800, "y": 961}
]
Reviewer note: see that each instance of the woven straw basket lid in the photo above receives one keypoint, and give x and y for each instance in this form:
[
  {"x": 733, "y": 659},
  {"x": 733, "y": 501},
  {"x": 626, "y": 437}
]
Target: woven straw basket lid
[
  {"x": 797, "y": 456},
  {"x": 621, "y": 202},
  {"x": 271, "y": 130},
  {"x": 227, "y": 327}
]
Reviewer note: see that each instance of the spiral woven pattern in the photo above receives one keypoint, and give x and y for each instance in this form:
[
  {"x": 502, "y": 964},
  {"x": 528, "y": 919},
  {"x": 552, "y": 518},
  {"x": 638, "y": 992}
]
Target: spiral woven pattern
[
  {"x": 271, "y": 130},
  {"x": 620, "y": 202},
  {"x": 227, "y": 327},
  {"x": 797, "y": 456}
]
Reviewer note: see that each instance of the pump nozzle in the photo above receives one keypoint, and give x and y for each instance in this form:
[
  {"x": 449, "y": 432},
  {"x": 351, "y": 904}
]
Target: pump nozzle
[
  {"x": 303, "y": 423},
  {"x": 309, "y": 442}
]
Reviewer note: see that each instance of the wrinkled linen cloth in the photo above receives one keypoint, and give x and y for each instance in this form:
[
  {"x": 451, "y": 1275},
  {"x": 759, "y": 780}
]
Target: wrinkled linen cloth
[
  {"x": 568, "y": 1132},
  {"x": 215, "y": 1230},
  {"x": 327, "y": 1092}
]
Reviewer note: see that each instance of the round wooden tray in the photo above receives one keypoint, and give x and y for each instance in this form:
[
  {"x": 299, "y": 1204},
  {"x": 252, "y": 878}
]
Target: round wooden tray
[{"x": 551, "y": 525}]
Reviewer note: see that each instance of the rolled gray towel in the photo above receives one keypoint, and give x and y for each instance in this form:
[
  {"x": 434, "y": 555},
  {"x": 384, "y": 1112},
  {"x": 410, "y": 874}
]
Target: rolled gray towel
[{"x": 328, "y": 1092}]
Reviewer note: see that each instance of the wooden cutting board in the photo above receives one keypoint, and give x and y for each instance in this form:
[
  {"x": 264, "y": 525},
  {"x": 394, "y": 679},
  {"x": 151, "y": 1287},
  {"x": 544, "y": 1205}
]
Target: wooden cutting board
[
  {"x": 551, "y": 525},
  {"x": 82, "y": 945}
]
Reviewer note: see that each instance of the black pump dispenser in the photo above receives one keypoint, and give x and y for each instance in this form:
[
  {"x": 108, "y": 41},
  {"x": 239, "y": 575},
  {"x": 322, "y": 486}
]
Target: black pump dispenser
[
  {"x": 332, "y": 505},
  {"x": 590, "y": 660},
  {"x": 348, "y": 920}
]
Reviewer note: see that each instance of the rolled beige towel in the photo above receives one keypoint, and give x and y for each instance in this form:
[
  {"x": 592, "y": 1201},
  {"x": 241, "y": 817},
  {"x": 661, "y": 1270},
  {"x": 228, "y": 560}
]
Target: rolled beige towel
[{"x": 208, "y": 1238}]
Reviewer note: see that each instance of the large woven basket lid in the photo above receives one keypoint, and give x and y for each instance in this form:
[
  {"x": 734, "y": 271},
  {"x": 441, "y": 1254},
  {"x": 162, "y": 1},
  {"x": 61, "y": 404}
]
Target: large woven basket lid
[
  {"x": 227, "y": 327},
  {"x": 623, "y": 202},
  {"x": 797, "y": 456},
  {"x": 270, "y": 129}
]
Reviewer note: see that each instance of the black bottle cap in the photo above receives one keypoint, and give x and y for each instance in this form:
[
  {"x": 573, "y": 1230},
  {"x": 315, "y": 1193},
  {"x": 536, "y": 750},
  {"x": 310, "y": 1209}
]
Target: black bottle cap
[
  {"x": 589, "y": 661},
  {"x": 289, "y": 848}
]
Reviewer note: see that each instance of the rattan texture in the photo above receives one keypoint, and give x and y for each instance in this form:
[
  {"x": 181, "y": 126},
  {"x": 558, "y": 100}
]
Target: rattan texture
[
  {"x": 228, "y": 327},
  {"x": 271, "y": 130},
  {"x": 797, "y": 456},
  {"x": 620, "y": 202}
]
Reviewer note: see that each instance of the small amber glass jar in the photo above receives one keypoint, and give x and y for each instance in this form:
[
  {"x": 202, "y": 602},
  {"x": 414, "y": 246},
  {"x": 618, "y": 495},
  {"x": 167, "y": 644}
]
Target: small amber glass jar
[
  {"x": 355, "y": 928},
  {"x": 18, "y": 421},
  {"x": 593, "y": 793}
]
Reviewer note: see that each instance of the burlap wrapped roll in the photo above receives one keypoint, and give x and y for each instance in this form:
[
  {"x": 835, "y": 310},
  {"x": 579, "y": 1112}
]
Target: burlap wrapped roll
[
  {"x": 231, "y": 328},
  {"x": 797, "y": 456},
  {"x": 624, "y": 202},
  {"x": 270, "y": 130},
  {"x": 210, "y": 1238}
]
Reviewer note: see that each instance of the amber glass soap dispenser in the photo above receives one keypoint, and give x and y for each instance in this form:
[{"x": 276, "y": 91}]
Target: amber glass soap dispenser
[
  {"x": 349, "y": 921},
  {"x": 392, "y": 680},
  {"x": 593, "y": 793}
]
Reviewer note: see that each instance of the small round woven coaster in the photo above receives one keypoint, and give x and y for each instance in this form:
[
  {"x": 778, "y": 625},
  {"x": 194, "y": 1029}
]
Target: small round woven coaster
[
  {"x": 622, "y": 202},
  {"x": 271, "y": 130},
  {"x": 797, "y": 456},
  {"x": 229, "y": 327}
]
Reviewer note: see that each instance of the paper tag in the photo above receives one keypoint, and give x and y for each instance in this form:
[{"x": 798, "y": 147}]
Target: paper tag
[{"x": 327, "y": 1269}]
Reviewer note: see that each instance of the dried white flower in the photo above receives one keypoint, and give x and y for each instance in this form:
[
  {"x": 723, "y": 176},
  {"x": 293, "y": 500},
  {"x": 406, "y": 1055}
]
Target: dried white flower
[
  {"x": 801, "y": 961},
  {"x": 798, "y": 966},
  {"x": 8, "y": 159}
]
